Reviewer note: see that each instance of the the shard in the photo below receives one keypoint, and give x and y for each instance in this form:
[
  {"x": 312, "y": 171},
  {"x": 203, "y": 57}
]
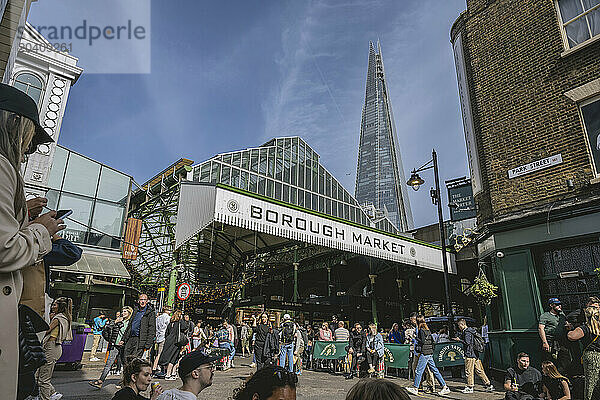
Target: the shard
[{"x": 380, "y": 182}]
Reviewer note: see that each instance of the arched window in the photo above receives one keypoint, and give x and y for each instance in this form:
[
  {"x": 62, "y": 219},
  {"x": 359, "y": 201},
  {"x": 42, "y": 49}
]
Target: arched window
[{"x": 30, "y": 84}]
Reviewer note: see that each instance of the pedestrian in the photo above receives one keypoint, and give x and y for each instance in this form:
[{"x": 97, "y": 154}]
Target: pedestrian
[
  {"x": 325, "y": 333},
  {"x": 271, "y": 351},
  {"x": 115, "y": 330},
  {"x": 269, "y": 383},
  {"x": 551, "y": 329},
  {"x": 99, "y": 323},
  {"x": 442, "y": 336},
  {"x": 356, "y": 349},
  {"x": 162, "y": 322},
  {"x": 554, "y": 385},
  {"x": 245, "y": 336},
  {"x": 198, "y": 336},
  {"x": 287, "y": 334},
  {"x": 374, "y": 348},
  {"x": 232, "y": 332},
  {"x": 395, "y": 335},
  {"x": 141, "y": 332},
  {"x": 224, "y": 338},
  {"x": 341, "y": 333},
  {"x": 523, "y": 382},
  {"x": 196, "y": 370},
  {"x": 425, "y": 345},
  {"x": 588, "y": 334},
  {"x": 415, "y": 320},
  {"x": 59, "y": 330},
  {"x": 137, "y": 376},
  {"x": 261, "y": 330},
  {"x": 377, "y": 389},
  {"x": 22, "y": 242},
  {"x": 175, "y": 339},
  {"x": 299, "y": 344},
  {"x": 473, "y": 347}
]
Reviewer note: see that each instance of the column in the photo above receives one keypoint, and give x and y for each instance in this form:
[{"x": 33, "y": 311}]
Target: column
[
  {"x": 296, "y": 282},
  {"x": 373, "y": 298},
  {"x": 329, "y": 281}
]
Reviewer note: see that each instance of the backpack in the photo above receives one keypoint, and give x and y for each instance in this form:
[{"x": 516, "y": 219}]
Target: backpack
[
  {"x": 478, "y": 342},
  {"x": 287, "y": 334}
]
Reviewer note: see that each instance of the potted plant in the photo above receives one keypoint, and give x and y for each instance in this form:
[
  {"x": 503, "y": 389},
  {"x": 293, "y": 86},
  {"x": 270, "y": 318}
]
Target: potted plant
[{"x": 482, "y": 289}]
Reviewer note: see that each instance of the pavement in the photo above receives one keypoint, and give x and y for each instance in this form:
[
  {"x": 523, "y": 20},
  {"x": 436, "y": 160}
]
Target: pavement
[{"x": 312, "y": 385}]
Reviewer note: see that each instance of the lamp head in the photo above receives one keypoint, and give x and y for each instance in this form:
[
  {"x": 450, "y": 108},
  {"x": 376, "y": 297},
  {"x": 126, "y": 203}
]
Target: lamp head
[{"x": 415, "y": 180}]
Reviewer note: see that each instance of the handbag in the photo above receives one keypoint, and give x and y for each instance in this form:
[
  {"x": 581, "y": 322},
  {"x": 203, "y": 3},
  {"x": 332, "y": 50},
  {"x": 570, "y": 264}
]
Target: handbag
[
  {"x": 181, "y": 340},
  {"x": 33, "y": 292},
  {"x": 31, "y": 353}
]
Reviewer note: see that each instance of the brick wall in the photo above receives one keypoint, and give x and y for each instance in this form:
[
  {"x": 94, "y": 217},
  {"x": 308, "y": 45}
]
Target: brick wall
[{"x": 517, "y": 80}]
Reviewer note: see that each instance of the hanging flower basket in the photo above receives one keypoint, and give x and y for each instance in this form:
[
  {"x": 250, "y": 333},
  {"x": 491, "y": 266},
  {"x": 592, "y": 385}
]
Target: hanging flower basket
[{"x": 482, "y": 289}]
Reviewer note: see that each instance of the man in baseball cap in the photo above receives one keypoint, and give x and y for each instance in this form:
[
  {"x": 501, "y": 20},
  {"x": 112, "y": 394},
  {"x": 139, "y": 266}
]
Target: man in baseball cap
[
  {"x": 196, "y": 370},
  {"x": 14, "y": 100},
  {"x": 551, "y": 329}
]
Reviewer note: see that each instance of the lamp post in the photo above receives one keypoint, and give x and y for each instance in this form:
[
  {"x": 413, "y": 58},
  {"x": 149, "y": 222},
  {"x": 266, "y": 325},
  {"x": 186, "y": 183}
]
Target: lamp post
[{"x": 436, "y": 195}]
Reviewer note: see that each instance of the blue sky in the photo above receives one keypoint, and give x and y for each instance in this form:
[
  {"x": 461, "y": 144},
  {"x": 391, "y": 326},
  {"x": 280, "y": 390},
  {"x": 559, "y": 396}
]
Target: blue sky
[{"x": 230, "y": 75}]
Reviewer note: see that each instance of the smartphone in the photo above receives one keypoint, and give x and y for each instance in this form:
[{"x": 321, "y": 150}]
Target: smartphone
[{"x": 62, "y": 214}]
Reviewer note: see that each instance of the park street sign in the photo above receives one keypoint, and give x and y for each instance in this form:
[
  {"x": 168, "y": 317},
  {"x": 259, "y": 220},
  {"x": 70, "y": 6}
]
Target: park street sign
[
  {"x": 199, "y": 205},
  {"x": 535, "y": 166}
]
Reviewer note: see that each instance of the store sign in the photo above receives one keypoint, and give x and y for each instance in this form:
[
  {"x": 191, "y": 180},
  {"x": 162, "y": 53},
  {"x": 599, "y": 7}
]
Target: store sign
[
  {"x": 460, "y": 197},
  {"x": 535, "y": 166},
  {"x": 449, "y": 354},
  {"x": 132, "y": 238},
  {"x": 467, "y": 115},
  {"x": 237, "y": 209}
]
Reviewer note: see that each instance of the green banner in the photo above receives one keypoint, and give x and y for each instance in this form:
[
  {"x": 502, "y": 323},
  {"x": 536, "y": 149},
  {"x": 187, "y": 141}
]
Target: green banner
[
  {"x": 396, "y": 355},
  {"x": 449, "y": 354},
  {"x": 329, "y": 350}
]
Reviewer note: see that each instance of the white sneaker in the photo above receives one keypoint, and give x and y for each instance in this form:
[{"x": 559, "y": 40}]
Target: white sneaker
[
  {"x": 94, "y": 359},
  {"x": 445, "y": 390},
  {"x": 467, "y": 389},
  {"x": 171, "y": 378},
  {"x": 253, "y": 365},
  {"x": 231, "y": 364},
  {"x": 489, "y": 388},
  {"x": 412, "y": 390},
  {"x": 56, "y": 396}
]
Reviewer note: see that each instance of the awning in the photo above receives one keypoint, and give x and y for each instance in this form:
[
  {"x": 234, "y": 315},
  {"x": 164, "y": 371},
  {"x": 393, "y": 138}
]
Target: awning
[{"x": 96, "y": 265}]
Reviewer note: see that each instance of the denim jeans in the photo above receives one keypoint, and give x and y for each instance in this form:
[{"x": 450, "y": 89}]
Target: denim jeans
[
  {"x": 230, "y": 347},
  {"x": 424, "y": 361},
  {"x": 287, "y": 351},
  {"x": 112, "y": 356}
]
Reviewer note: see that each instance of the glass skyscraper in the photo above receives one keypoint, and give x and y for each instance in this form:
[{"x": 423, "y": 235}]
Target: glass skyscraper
[{"x": 380, "y": 183}]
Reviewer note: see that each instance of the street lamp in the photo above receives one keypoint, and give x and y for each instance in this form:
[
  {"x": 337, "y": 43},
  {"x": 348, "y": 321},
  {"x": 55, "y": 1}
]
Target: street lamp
[{"x": 436, "y": 195}]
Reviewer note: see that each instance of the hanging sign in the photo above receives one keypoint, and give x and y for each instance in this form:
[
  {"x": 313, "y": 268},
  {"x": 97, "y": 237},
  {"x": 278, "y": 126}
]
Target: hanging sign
[{"x": 183, "y": 291}]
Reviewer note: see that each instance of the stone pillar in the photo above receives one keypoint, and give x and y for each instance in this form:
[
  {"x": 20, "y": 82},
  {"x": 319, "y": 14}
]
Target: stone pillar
[
  {"x": 328, "y": 281},
  {"x": 296, "y": 282},
  {"x": 400, "y": 282}
]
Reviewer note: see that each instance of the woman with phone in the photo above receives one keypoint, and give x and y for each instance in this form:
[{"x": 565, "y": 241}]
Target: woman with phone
[{"x": 22, "y": 243}]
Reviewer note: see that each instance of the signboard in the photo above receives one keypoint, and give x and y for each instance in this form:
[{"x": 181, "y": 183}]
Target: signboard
[
  {"x": 448, "y": 354},
  {"x": 535, "y": 166},
  {"x": 396, "y": 355},
  {"x": 460, "y": 197},
  {"x": 183, "y": 291},
  {"x": 237, "y": 208},
  {"x": 329, "y": 350},
  {"x": 132, "y": 238},
  {"x": 467, "y": 115}
]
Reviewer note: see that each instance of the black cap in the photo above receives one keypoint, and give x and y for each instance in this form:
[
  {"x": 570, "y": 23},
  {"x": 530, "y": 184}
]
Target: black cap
[
  {"x": 16, "y": 101},
  {"x": 193, "y": 360}
]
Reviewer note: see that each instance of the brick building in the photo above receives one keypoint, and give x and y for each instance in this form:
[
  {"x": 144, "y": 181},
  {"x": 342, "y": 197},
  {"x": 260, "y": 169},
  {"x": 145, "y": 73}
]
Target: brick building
[{"x": 529, "y": 84}]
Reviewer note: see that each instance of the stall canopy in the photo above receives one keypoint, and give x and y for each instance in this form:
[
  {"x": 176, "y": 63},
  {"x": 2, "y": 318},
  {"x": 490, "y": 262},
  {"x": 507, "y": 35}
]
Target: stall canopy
[
  {"x": 90, "y": 264},
  {"x": 230, "y": 225}
]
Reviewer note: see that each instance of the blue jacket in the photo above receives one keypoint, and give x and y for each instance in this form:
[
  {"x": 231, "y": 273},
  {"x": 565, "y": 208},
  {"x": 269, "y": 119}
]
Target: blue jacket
[{"x": 375, "y": 343}]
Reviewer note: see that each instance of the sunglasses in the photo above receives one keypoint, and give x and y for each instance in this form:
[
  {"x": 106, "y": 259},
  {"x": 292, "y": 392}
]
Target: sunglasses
[{"x": 285, "y": 376}]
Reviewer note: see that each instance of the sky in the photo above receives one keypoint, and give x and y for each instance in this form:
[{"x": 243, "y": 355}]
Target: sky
[{"x": 229, "y": 75}]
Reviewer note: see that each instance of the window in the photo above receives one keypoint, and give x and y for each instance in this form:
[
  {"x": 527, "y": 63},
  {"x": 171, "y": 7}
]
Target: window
[
  {"x": 225, "y": 172},
  {"x": 591, "y": 119},
  {"x": 580, "y": 20},
  {"x": 108, "y": 218},
  {"x": 30, "y": 84},
  {"x": 205, "y": 172},
  {"x": 82, "y": 176},
  {"x": 58, "y": 168},
  {"x": 114, "y": 186}
]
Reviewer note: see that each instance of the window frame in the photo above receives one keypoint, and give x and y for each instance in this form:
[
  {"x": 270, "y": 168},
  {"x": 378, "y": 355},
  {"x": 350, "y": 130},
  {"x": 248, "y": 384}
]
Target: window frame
[
  {"x": 563, "y": 31},
  {"x": 580, "y": 105}
]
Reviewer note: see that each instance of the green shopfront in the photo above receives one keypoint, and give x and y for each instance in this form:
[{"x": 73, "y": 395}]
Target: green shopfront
[{"x": 531, "y": 260}]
